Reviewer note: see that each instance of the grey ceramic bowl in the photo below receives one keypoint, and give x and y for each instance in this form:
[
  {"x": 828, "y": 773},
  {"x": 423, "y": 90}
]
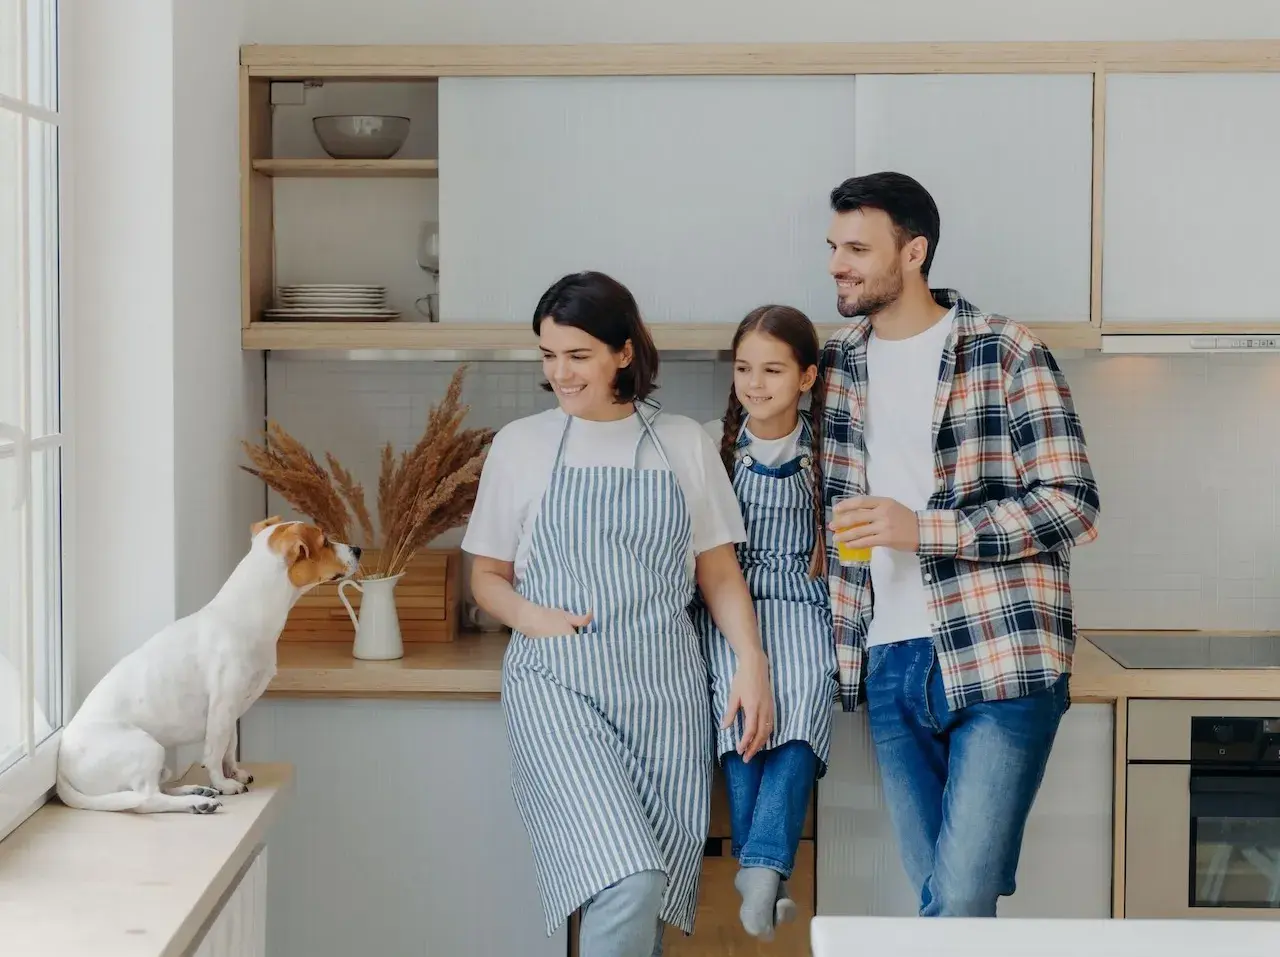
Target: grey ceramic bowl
[{"x": 361, "y": 136}]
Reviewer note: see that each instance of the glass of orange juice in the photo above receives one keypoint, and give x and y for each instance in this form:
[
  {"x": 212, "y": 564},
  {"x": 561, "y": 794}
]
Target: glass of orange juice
[{"x": 849, "y": 555}]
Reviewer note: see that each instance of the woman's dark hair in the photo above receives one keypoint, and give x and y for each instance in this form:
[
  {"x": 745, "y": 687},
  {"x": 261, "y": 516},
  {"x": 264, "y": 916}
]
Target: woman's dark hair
[
  {"x": 792, "y": 327},
  {"x": 604, "y": 308},
  {"x": 907, "y": 204}
]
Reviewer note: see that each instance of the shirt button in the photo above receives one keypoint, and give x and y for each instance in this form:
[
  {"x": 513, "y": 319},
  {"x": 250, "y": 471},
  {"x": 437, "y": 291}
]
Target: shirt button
[
  {"x": 928, "y": 578},
  {"x": 748, "y": 461},
  {"x": 804, "y": 462}
]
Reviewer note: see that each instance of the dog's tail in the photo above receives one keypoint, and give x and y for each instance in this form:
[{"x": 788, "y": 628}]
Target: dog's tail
[{"x": 116, "y": 801}]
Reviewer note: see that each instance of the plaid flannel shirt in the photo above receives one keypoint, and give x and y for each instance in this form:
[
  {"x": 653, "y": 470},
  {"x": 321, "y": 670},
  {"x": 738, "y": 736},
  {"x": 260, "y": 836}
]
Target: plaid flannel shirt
[{"x": 1013, "y": 491}]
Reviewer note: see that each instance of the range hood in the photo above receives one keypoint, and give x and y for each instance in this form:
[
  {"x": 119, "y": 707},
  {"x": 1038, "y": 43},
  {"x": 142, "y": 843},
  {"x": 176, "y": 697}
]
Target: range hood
[{"x": 1154, "y": 344}]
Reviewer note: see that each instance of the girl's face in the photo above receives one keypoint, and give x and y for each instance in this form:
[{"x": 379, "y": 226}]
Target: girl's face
[
  {"x": 769, "y": 382},
  {"x": 582, "y": 371}
]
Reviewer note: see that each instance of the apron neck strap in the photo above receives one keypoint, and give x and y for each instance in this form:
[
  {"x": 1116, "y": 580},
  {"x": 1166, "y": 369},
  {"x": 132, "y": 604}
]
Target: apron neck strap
[
  {"x": 564, "y": 436},
  {"x": 646, "y": 431}
]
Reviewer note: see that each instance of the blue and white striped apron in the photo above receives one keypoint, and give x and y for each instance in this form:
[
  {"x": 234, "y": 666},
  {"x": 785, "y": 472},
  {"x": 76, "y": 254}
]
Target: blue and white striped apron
[
  {"x": 793, "y": 610},
  {"x": 609, "y": 729}
]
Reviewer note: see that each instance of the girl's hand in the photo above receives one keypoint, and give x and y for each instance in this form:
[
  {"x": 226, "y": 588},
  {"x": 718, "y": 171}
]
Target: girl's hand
[
  {"x": 539, "y": 621},
  {"x": 751, "y": 692}
]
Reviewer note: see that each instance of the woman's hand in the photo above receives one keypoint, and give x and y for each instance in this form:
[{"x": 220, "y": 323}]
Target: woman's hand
[
  {"x": 725, "y": 592},
  {"x": 751, "y": 693},
  {"x": 492, "y": 585},
  {"x": 539, "y": 621}
]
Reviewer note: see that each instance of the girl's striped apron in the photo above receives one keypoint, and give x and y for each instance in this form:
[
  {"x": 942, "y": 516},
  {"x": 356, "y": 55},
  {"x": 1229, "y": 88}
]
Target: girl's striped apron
[
  {"x": 793, "y": 610},
  {"x": 609, "y": 729}
]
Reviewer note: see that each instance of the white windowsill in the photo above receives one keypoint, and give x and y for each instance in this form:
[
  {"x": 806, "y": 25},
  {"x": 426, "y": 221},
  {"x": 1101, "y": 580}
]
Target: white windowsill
[{"x": 76, "y": 883}]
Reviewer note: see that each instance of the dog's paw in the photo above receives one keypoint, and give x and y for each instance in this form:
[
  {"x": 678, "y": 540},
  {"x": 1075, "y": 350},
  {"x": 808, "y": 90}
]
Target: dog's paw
[
  {"x": 232, "y": 787},
  {"x": 243, "y": 776},
  {"x": 199, "y": 804},
  {"x": 188, "y": 790}
]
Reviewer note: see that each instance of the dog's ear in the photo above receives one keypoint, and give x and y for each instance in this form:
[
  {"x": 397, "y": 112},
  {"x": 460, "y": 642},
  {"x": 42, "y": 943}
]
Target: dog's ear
[
  {"x": 257, "y": 527},
  {"x": 298, "y": 550}
]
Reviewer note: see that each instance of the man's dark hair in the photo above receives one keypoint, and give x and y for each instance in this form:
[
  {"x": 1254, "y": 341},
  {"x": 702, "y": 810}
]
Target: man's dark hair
[
  {"x": 907, "y": 204},
  {"x": 602, "y": 307}
]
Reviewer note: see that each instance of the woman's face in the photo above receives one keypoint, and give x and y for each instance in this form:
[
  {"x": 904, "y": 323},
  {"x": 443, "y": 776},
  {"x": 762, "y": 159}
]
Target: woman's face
[{"x": 582, "y": 371}]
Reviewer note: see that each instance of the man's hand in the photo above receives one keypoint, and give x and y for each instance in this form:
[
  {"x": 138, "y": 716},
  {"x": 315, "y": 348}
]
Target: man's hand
[{"x": 879, "y": 521}]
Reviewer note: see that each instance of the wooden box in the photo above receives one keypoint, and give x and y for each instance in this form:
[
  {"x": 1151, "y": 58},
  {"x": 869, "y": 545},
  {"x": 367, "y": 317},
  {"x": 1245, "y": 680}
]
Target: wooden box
[{"x": 427, "y": 600}]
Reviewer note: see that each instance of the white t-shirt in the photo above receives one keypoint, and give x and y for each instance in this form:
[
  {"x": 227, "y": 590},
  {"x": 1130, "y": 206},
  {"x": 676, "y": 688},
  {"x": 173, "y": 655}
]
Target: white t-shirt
[
  {"x": 902, "y": 381},
  {"x": 523, "y": 453},
  {"x": 770, "y": 452}
]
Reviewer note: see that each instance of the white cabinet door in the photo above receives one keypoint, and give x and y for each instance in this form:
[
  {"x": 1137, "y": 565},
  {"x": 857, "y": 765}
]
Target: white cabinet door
[
  {"x": 1065, "y": 866},
  {"x": 1009, "y": 161},
  {"x": 402, "y": 836},
  {"x": 240, "y": 927},
  {"x": 706, "y": 196},
  {"x": 1191, "y": 198}
]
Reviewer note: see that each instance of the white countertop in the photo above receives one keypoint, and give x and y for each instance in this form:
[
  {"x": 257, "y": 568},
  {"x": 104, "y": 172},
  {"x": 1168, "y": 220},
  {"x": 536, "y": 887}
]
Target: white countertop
[
  {"x": 1023, "y": 937},
  {"x": 110, "y": 884}
]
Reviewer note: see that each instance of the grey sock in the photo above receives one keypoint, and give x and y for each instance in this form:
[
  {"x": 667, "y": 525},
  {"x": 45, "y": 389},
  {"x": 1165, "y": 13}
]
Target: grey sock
[
  {"x": 784, "y": 909},
  {"x": 759, "y": 889}
]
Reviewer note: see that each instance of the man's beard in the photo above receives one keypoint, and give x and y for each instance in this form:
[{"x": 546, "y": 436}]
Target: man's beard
[{"x": 875, "y": 297}]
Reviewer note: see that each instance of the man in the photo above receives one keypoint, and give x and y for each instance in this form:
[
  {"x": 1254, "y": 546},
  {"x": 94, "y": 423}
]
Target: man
[{"x": 951, "y": 448}]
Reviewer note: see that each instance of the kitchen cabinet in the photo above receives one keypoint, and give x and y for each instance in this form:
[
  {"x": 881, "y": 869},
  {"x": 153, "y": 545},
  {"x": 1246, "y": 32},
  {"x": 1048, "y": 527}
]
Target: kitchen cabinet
[
  {"x": 1066, "y": 862},
  {"x": 1191, "y": 192},
  {"x": 239, "y": 929},
  {"x": 1008, "y": 158},
  {"x": 706, "y": 195},
  {"x": 402, "y": 836}
]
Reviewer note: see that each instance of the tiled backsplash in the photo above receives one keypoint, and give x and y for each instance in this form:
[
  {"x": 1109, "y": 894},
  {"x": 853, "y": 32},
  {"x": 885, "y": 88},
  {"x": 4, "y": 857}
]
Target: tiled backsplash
[{"x": 1186, "y": 450}]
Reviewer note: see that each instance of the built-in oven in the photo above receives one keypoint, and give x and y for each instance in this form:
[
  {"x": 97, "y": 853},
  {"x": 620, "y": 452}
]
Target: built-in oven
[{"x": 1202, "y": 821}]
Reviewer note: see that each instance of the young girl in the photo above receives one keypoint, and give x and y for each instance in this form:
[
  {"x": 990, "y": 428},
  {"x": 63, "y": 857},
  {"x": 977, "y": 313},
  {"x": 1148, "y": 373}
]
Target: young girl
[{"x": 766, "y": 444}]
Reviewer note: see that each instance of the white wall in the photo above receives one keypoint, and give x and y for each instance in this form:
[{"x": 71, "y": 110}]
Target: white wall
[
  {"x": 161, "y": 392},
  {"x": 1183, "y": 446},
  {"x": 121, "y": 140},
  {"x": 218, "y": 388},
  {"x": 723, "y": 21}
]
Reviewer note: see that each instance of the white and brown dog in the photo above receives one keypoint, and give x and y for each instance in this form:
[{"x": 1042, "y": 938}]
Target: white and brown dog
[{"x": 193, "y": 680}]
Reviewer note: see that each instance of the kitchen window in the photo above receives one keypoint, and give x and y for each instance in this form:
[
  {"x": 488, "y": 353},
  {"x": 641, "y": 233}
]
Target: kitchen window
[{"x": 32, "y": 437}]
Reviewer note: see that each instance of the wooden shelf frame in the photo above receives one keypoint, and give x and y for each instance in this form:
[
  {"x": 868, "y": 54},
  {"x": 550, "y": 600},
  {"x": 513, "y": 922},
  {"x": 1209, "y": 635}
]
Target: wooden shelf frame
[
  {"x": 262, "y": 63},
  {"x": 394, "y": 61},
  {"x": 518, "y": 337},
  {"x": 348, "y": 168}
]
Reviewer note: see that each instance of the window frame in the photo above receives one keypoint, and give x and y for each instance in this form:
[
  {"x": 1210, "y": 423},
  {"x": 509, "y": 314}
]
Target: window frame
[{"x": 28, "y": 783}]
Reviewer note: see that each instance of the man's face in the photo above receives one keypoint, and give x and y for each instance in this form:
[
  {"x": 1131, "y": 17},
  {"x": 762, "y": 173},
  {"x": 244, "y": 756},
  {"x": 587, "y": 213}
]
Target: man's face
[{"x": 866, "y": 261}]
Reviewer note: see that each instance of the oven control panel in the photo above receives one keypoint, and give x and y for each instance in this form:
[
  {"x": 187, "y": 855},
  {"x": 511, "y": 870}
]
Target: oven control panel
[{"x": 1235, "y": 740}]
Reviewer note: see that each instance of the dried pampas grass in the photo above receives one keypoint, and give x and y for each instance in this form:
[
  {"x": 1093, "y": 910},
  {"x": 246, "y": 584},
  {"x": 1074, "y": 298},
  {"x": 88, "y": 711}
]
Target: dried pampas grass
[{"x": 422, "y": 493}]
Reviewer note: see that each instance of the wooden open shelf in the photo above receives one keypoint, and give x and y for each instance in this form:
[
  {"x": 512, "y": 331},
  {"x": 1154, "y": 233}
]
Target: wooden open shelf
[
  {"x": 426, "y": 336},
  {"x": 399, "y": 63},
  {"x": 349, "y": 168}
]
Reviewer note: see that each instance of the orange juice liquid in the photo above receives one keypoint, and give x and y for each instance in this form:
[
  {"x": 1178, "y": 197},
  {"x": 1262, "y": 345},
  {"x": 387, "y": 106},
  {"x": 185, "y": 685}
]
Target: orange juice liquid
[{"x": 853, "y": 556}]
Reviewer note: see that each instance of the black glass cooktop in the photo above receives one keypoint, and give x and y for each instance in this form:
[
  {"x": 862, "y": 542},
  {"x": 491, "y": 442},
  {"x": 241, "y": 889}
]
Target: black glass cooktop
[{"x": 1245, "y": 651}]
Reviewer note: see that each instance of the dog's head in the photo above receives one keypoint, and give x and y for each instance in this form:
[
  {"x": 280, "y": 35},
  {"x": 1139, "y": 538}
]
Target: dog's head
[{"x": 310, "y": 556}]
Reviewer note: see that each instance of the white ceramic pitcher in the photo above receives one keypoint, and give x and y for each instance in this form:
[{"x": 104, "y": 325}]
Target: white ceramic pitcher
[{"x": 378, "y": 626}]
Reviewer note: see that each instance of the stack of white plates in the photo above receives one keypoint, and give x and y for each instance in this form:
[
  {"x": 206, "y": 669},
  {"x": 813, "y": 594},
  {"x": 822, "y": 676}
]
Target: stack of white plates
[{"x": 331, "y": 302}]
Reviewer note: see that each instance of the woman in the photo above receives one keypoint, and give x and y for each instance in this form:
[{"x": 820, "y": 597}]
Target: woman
[{"x": 592, "y": 524}]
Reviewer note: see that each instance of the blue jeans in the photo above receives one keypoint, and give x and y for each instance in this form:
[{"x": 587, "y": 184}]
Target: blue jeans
[
  {"x": 768, "y": 803},
  {"x": 958, "y": 785}
]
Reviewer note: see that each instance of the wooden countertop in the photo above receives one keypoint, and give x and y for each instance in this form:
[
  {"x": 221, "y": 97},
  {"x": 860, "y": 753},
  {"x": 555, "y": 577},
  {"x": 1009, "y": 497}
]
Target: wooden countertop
[
  {"x": 128, "y": 885},
  {"x": 472, "y": 667}
]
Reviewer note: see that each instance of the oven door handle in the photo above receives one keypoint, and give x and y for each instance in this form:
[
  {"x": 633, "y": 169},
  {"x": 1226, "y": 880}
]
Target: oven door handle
[{"x": 1235, "y": 795}]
